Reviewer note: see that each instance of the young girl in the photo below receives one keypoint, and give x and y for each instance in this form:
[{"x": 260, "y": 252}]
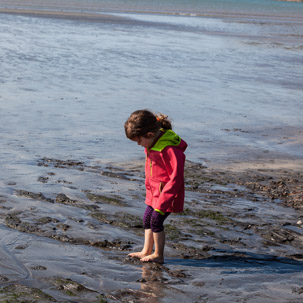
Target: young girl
[{"x": 164, "y": 177}]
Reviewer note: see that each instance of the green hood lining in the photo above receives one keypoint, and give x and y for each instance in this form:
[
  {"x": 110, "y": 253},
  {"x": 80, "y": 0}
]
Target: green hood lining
[{"x": 169, "y": 138}]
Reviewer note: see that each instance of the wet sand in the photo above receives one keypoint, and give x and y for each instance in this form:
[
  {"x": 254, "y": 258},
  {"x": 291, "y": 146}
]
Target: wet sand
[{"x": 239, "y": 238}]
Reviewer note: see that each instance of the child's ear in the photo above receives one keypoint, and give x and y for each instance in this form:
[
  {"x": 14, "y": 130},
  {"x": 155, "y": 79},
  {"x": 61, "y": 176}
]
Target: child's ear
[{"x": 150, "y": 135}]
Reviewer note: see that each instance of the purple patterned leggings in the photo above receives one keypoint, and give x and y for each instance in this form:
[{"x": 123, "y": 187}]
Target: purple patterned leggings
[{"x": 153, "y": 220}]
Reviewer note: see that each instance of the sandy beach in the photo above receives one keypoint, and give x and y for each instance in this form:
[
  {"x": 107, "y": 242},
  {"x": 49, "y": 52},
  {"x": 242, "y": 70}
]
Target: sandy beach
[{"x": 72, "y": 186}]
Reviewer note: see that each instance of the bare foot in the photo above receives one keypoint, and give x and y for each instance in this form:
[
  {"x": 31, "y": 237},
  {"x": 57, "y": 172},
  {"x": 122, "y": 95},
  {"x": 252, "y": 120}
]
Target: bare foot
[
  {"x": 138, "y": 255},
  {"x": 153, "y": 258}
]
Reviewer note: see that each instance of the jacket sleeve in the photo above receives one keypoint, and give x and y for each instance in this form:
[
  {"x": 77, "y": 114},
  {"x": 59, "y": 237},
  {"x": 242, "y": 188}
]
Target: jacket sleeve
[{"x": 174, "y": 160}]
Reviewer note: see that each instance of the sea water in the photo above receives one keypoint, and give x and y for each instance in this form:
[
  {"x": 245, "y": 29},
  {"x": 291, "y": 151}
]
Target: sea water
[{"x": 231, "y": 84}]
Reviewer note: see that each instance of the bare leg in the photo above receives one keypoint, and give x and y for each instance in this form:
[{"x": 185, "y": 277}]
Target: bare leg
[
  {"x": 148, "y": 246},
  {"x": 158, "y": 255}
]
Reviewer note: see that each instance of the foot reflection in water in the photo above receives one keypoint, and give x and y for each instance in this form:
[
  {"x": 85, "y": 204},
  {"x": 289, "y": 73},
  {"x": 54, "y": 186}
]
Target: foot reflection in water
[{"x": 152, "y": 282}]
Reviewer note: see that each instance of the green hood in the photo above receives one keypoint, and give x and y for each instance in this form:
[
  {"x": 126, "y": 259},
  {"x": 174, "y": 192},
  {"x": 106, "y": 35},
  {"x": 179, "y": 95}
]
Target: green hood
[{"x": 169, "y": 138}]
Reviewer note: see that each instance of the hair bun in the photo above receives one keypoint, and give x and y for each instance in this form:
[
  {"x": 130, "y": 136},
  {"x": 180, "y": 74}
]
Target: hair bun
[{"x": 164, "y": 121}]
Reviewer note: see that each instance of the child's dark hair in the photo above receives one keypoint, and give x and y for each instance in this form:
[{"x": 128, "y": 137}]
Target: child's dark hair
[{"x": 144, "y": 121}]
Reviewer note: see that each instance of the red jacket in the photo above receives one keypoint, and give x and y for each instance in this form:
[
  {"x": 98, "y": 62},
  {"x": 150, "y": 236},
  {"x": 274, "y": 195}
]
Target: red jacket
[{"x": 164, "y": 173}]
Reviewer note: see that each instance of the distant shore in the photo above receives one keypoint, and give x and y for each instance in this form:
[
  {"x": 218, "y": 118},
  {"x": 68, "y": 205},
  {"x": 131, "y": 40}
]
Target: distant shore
[
  {"x": 103, "y": 14},
  {"x": 61, "y": 14}
]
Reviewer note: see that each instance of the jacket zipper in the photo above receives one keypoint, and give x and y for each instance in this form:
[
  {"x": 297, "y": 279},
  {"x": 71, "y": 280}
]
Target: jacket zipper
[
  {"x": 151, "y": 167},
  {"x": 150, "y": 163}
]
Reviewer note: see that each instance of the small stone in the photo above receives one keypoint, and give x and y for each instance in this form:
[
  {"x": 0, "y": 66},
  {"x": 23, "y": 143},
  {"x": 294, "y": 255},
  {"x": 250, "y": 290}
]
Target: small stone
[
  {"x": 21, "y": 246},
  {"x": 38, "y": 267},
  {"x": 3, "y": 279}
]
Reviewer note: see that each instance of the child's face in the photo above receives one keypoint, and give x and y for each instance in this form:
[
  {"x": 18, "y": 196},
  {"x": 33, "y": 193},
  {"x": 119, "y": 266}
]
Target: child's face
[{"x": 147, "y": 141}]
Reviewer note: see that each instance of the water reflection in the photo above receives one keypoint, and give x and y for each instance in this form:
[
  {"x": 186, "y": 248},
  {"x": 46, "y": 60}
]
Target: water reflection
[{"x": 152, "y": 283}]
